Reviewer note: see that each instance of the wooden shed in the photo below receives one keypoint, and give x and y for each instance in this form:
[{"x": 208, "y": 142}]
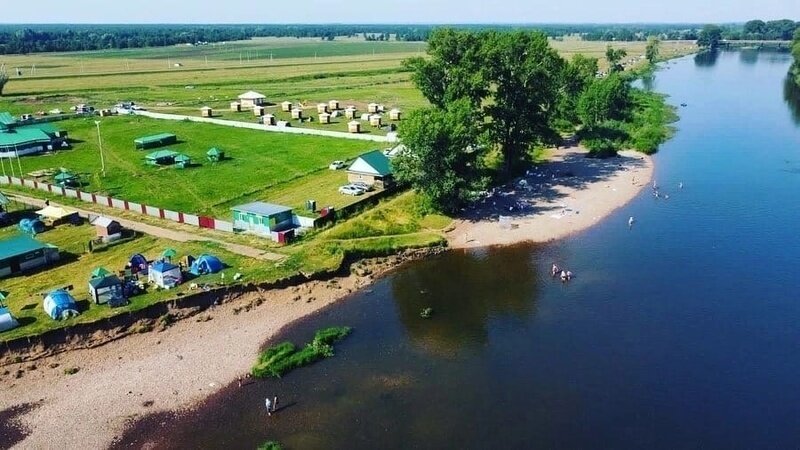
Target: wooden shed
[
  {"x": 236, "y": 107},
  {"x": 375, "y": 120},
  {"x": 286, "y": 106},
  {"x": 251, "y": 99},
  {"x": 333, "y": 105},
  {"x": 322, "y": 108},
  {"x": 354, "y": 126},
  {"x": 206, "y": 111},
  {"x": 350, "y": 113},
  {"x": 258, "y": 111},
  {"x": 324, "y": 118},
  {"x": 106, "y": 227},
  {"x": 269, "y": 119},
  {"x": 372, "y": 108},
  {"x": 297, "y": 114},
  {"x": 394, "y": 114}
]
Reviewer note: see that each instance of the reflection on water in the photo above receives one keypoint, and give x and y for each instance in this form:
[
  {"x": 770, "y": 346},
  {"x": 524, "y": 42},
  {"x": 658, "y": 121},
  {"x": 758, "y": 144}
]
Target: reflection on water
[
  {"x": 706, "y": 59},
  {"x": 488, "y": 286},
  {"x": 791, "y": 95},
  {"x": 748, "y": 56}
]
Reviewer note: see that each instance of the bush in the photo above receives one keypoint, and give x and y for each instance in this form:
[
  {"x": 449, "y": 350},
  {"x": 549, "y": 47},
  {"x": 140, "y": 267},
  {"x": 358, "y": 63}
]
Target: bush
[
  {"x": 282, "y": 358},
  {"x": 270, "y": 445}
]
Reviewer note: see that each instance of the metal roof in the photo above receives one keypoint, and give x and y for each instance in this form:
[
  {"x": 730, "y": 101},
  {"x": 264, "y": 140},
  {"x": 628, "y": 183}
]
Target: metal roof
[
  {"x": 23, "y": 136},
  {"x": 262, "y": 209},
  {"x": 104, "y": 282},
  {"x": 154, "y": 138},
  {"x": 105, "y": 222},
  {"x": 252, "y": 95},
  {"x": 20, "y": 245},
  {"x": 162, "y": 154},
  {"x": 373, "y": 163},
  {"x": 6, "y": 119}
]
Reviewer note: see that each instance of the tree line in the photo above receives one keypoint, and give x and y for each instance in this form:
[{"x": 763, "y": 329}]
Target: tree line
[
  {"x": 495, "y": 97},
  {"x": 795, "y": 70}
]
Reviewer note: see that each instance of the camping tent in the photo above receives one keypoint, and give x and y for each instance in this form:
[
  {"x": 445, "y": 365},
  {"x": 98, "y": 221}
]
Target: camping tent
[
  {"x": 100, "y": 272},
  {"x": 106, "y": 289},
  {"x": 164, "y": 274},
  {"x": 60, "y": 305},
  {"x": 7, "y": 321},
  {"x": 206, "y": 264},
  {"x": 138, "y": 263}
]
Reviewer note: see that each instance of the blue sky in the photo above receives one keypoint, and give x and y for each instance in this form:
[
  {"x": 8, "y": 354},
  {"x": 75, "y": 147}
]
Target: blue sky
[{"x": 394, "y": 11}]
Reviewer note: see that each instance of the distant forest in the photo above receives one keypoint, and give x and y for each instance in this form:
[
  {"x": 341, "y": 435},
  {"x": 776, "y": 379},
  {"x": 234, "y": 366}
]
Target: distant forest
[{"x": 21, "y": 39}]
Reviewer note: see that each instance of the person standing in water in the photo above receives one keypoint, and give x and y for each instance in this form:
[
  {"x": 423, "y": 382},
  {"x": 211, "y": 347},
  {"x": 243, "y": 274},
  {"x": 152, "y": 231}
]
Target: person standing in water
[
  {"x": 630, "y": 222},
  {"x": 268, "y": 403}
]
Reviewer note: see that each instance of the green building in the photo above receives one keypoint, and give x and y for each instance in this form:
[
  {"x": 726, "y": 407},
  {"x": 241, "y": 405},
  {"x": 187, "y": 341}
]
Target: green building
[
  {"x": 21, "y": 138},
  {"x": 21, "y": 253},
  {"x": 154, "y": 141},
  {"x": 262, "y": 218}
]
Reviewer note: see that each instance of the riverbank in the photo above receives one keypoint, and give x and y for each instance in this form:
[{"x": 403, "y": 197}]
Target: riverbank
[
  {"x": 568, "y": 194},
  {"x": 167, "y": 370}
]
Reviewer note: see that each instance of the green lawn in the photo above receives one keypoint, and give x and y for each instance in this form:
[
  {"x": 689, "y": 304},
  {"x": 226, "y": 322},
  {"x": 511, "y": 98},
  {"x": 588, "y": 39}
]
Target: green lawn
[
  {"x": 25, "y": 293},
  {"x": 259, "y": 161}
]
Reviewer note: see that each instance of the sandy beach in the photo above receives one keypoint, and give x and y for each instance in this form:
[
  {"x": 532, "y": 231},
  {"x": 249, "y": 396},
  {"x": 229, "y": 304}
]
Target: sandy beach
[
  {"x": 569, "y": 193},
  {"x": 177, "y": 368}
]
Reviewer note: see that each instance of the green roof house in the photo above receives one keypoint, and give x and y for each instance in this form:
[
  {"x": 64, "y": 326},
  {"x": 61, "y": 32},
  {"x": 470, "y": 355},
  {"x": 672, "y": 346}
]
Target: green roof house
[
  {"x": 372, "y": 168},
  {"x": 22, "y": 253},
  {"x": 18, "y": 139},
  {"x": 182, "y": 161},
  {"x": 215, "y": 155},
  {"x": 262, "y": 218},
  {"x": 156, "y": 140},
  {"x": 161, "y": 158}
]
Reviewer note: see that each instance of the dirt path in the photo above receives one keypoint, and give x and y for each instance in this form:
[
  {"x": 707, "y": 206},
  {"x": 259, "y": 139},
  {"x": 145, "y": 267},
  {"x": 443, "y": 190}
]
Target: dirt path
[{"x": 165, "y": 233}]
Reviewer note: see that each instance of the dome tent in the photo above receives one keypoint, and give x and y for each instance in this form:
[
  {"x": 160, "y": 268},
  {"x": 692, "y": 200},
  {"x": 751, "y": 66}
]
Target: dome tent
[
  {"x": 206, "y": 264},
  {"x": 138, "y": 263},
  {"x": 7, "y": 321},
  {"x": 60, "y": 305}
]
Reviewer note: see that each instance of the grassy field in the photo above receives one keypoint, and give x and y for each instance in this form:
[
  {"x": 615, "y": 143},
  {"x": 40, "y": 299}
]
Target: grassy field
[
  {"x": 259, "y": 161},
  {"x": 25, "y": 293}
]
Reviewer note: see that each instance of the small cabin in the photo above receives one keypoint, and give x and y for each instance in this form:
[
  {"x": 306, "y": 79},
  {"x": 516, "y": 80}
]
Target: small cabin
[
  {"x": 269, "y": 120},
  {"x": 236, "y": 107},
  {"x": 297, "y": 114},
  {"x": 394, "y": 114},
  {"x": 106, "y": 227},
  {"x": 372, "y": 108},
  {"x": 375, "y": 120},
  {"x": 333, "y": 105},
  {"x": 354, "y": 127},
  {"x": 324, "y": 118},
  {"x": 258, "y": 111},
  {"x": 286, "y": 106},
  {"x": 322, "y": 108},
  {"x": 206, "y": 111},
  {"x": 350, "y": 113}
]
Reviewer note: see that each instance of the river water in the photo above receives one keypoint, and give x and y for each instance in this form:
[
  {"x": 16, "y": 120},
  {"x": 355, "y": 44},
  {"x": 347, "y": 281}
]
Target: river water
[{"x": 682, "y": 332}]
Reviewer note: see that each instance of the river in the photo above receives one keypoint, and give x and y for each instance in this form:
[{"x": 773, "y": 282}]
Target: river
[{"x": 681, "y": 332}]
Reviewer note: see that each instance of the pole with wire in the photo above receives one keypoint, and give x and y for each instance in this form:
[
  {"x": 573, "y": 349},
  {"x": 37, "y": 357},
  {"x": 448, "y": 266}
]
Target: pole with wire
[{"x": 100, "y": 142}]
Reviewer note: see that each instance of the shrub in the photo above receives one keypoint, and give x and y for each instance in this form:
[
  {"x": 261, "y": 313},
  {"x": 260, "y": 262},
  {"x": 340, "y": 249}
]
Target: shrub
[{"x": 282, "y": 358}]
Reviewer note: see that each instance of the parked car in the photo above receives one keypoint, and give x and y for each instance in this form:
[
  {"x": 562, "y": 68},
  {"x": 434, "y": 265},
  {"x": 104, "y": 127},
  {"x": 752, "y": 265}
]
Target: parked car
[
  {"x": 336, "y": 165},
  {"x": 350, "y": 190},
  {"x": 364, "y": 186}
]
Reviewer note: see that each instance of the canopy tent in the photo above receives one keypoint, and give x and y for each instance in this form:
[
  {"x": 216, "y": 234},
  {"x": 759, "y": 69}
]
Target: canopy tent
[
  {"x": 164, "y": 274},
  {"x": 55, "y": 212},
  {"x": 60, "y": 305},
  {"x": 206, "y": 264},
  {"x": 7, "y": 321},
  {"x": 100, "y": 272}
]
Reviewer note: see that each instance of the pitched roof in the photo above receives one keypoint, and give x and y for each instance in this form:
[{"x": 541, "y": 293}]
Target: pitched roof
[
  {"x": 20, "y": 245},
  {"x": 154, "y": 138},
  {"x": 6, "y": 119},
  {"x": 108, "y": 281},
  {"x": 163, "y": 266},
  {"x": 180, "y": 157},
  {"x": 252, "y": 95},
  {"x": 372, "y": 163},
  {"x": 55, "y": 212},
  {"x": 23, "y": 136},
  {"x": 162, "y": 154},
  {"x": 103, "y": 222},
  {"x": 262, "y": 209},
  {"x": 214, "y": 152}
]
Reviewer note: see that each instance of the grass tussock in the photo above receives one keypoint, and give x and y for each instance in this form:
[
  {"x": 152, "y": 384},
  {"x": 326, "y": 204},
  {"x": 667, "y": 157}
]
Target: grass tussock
[{"x": 280, "y": 359}]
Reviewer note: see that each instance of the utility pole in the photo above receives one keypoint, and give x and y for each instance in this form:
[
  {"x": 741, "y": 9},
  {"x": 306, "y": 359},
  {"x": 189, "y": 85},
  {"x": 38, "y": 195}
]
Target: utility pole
[{"x": 100, "y": 141}]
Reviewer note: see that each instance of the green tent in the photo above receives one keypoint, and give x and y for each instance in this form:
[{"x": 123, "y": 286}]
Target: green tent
[
  {"x": 100, "y": 272},
  {"x": 169, "y": 254},
  {"x": 66, "y": 177}
]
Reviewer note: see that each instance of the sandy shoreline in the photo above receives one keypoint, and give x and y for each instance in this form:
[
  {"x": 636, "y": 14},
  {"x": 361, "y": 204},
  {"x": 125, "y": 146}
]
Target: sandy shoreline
[{"x": 181, "y": 366}]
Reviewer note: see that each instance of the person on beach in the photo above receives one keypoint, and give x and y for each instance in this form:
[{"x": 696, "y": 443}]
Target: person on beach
[{"x": 268, "y": 403}]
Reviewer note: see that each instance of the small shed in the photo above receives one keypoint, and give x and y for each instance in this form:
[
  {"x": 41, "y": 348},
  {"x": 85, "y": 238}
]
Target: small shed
[
  {"x": 322, "y": 108},
  {"x": 106, "y": 227},
  {"x": 324, "y": 118},
  {"x": 375, "y": 120},
  {"x": 7, "y": 320},
  {"x": 206, "y": 111},
  {"x": 286, "y": 106},
  {"x": 365, "y": 117},
  {"x": 156, "y": 140},
  {"x": 161, "y": 158},
  {"x": 215, "y": 155},
  {"x": 182, "y": 161},
  {"x": 251, "y": 98},
  {"x": 106, "y": 289},
  {"x": 372, "y": 108},
  {"x": 60, "y": 305},
  {"x": 262, "y": 218},
  {"x": 333, "y": 105},
  {"x": 354, "y": 127},
  {"x": 206, "y": 264},
  {"x": 350, "y": 113},
  {"x": 164, "y": 274},
  {"x": 373, "y": 168},
  {"x": 258, "y": 111},
  {"x": 297, "y": 114},
  {"x": 269, "y": 120},
  {"x": 394, "y": 114},
  {"x": 236, "y": 107}
]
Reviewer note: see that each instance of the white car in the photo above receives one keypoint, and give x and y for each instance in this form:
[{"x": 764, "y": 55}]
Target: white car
[
  {"x": 336, "y": 165},
  {"x": 350, "y": 190},
  {"x": 363, "y": 186}
]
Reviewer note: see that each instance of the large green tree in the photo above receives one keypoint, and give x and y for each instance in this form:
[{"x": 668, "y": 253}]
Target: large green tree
[
  {"x": 651, "y": 51},
  {"x": 524, "y": 73},
  {"x": 603, "y": 100},
  {"x": 709, "y": 36},
  {"x": 576, "y": 76},
  {"x": 614, "y": 57},
  {"x": 443, "y": 154}
]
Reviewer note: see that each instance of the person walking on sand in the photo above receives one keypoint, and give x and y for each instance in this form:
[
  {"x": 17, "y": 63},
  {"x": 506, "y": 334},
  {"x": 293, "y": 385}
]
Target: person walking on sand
[{"x": 268, "y": 403}]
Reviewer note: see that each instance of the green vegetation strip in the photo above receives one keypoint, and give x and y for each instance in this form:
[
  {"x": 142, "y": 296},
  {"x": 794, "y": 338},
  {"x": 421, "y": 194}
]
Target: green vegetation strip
[{"x": 284, "y": 357}]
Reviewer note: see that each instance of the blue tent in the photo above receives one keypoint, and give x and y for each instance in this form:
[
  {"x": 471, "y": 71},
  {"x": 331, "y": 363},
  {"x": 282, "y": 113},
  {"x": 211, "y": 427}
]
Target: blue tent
[
  {"x": 7, "y": 321},
  {"x": 60, "y": 305},
  {"x": 138, "y": 263},
  {"x": 31, "y": 226},
  {"x": 206, "y": 264}
]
